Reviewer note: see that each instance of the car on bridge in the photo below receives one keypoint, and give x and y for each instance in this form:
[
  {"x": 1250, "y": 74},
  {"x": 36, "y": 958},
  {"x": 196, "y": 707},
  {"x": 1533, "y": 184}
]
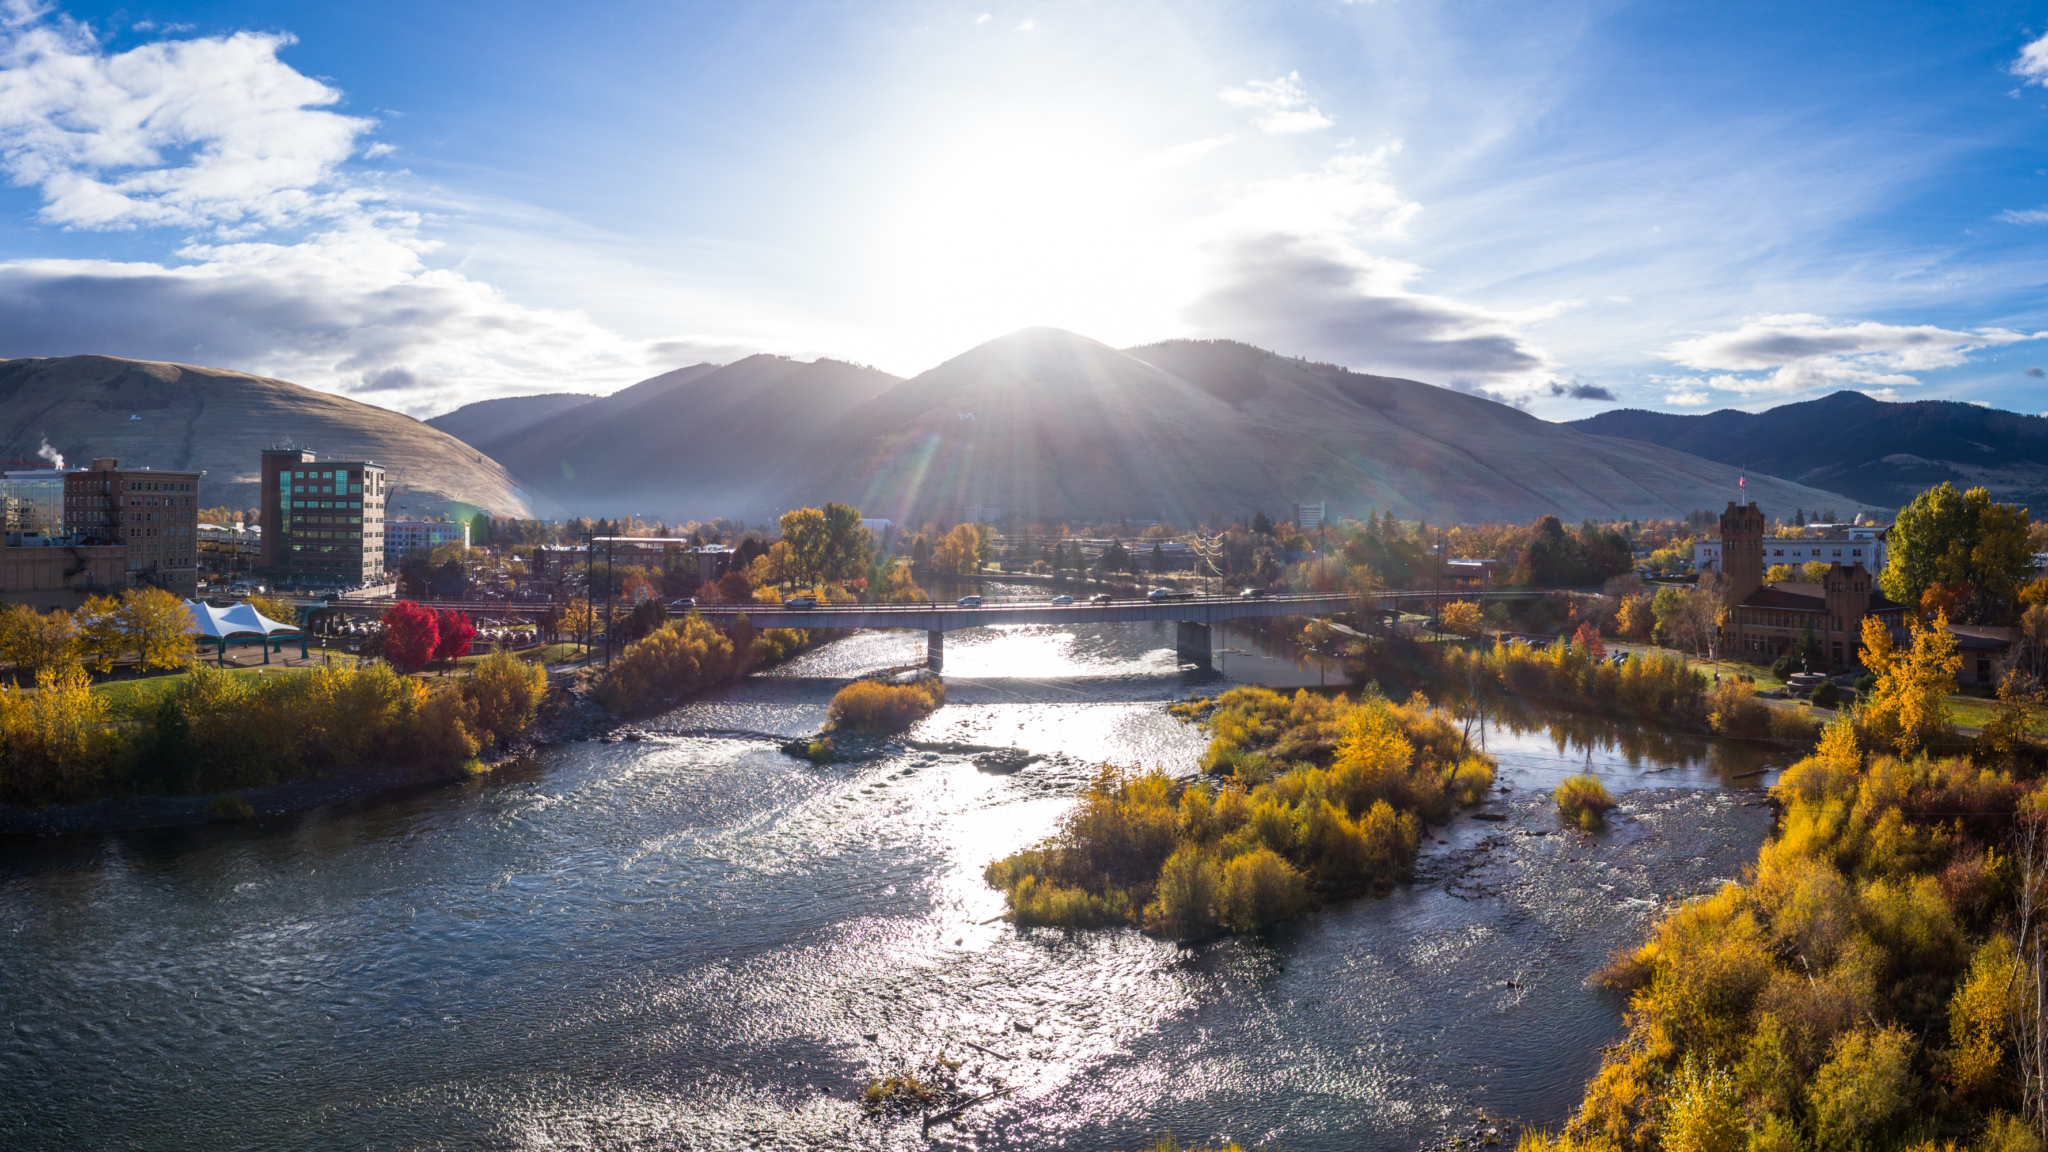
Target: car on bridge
[
  {"x": 968, "y": 602},
  {"x": 1101, "y": 598},
  {"x": 1061, "y": 600},
  {"x": 1169, "y": 594},
  {"x": 1252, "y": 594},
  {"x": 800, "y": 602}
]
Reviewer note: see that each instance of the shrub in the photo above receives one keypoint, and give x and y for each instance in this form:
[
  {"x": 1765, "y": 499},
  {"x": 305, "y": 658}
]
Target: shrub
[
  {"x": 1734, "y": 710},
  {"x": 504, "y": 694},
  {"x": 1977, "y": 1016},
  {"x": 1583, "y": 800},
  {"x": 1866, "y": 1081},
  {"x": 1189, "y": 883},
  {"x": 1702, "y": 1114},
  {"x": 871, "y": 706},
  {"x": 1259, "y": 888},
  {"x": 229, "y": 806},
  {"x": 1826, "y": 695}
]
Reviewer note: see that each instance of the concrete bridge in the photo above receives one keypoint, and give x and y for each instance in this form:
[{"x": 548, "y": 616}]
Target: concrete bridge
[{"x": 1192, "y": 617}]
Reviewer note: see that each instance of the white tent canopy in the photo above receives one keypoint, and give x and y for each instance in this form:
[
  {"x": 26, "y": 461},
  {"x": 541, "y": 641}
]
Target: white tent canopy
[{"x": 240, "y": 620}]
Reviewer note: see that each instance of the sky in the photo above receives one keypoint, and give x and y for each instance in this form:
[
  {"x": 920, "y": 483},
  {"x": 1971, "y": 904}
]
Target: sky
[{"x": 1570, "y": 206}]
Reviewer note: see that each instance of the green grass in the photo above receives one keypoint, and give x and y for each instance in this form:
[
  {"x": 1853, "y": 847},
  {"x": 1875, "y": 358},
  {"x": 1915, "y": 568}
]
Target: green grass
[
  {"x": 134, "y": 700},
  {"x": 552, "y": 654}
]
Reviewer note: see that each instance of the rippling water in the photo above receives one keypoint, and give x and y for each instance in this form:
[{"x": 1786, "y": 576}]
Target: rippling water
[{"x": 701, "y": 943}]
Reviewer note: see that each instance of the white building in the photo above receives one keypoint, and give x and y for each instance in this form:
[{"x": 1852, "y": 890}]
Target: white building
[
  {"x": 403, "y": 536},
  {"x": 1849, "y": 543}
]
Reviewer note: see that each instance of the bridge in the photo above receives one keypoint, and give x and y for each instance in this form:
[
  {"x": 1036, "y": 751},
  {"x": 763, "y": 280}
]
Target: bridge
[{"x": 1192, "y": 617}]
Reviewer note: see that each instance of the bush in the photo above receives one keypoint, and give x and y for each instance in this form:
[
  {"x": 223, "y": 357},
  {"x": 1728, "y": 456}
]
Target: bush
[
  {"x": 230, "y": 806},
  {"x": 871, "y": 706},
  {"x": 1826, "y": 695},
  {"x": 1867, "y": 1080},
  {"x": 504, "y": 694},
  {"x": 1259, "y": 888},
  {"x": 1784, "y": 666},
  {"x": 1583, "y": 800}
]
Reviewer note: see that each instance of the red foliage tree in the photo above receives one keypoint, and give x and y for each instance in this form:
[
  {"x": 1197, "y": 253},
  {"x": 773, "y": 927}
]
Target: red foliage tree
[
  {"x": 411, "y": 634},
  {"x": 455, "y": 634},
  {"x": 1588, "y": 640}
]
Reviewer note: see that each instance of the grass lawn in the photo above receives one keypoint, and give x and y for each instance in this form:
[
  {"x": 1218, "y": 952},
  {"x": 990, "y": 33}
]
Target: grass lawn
[
  {"x": 138, "y": 699},
  {"x": 550, "y": 654}
]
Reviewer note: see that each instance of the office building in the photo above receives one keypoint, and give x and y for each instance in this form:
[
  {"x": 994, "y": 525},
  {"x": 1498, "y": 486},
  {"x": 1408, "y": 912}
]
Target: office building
[
  {"x": 403, "y": 536},
  {"x": 323, "y": 520}
]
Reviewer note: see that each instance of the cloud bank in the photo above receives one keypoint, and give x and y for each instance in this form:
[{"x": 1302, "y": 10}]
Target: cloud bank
[
  {"x": 1801, "y": 353},
  {"x": 1284, "y": 103}
]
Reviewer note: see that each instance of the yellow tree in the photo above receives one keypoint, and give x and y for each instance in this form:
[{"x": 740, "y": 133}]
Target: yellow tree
[
  {"x": 1780, "y": 573},
  {"x": 1909, "y": 705},
  {"x": 806, "y": 538},
  {"x": 579, "y": 620},
  {"x": 101, "y": 635},
  {"x": 33, "y": 641},
  {"x": 159, "y": 626},
  {"x": 1634, "y": 617},
  {"x": 1814, "y": 571},
  {"x": 959, "y": 550},
  {"x": 1463, "y": 618}
]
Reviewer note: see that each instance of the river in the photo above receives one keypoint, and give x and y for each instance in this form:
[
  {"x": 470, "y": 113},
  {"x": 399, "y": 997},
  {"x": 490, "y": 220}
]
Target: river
[{"x": 698, "y": 943}]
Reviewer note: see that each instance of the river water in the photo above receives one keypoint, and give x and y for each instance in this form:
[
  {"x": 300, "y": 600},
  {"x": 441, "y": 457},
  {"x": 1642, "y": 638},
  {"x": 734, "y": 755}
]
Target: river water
[{"x": 700, "y": 943}]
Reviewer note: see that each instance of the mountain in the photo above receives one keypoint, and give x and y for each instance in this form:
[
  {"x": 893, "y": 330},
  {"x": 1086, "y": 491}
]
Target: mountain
[
  {"x": 1057, "y": 426},
  {"x": 704, "y": 440},
  {"x": 146, "y": 413},
  {"x": 1878, "y": 452},
  {"x": 491, "y": 419}
]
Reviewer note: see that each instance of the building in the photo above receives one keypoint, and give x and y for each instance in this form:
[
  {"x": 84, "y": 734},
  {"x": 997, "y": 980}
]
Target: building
[
  {"x": 73, "y": 533},
  {"x": 229, "y": 548},
  {"x": 1848, "y": 544},
  {"x": 1769, "y": 620},
  {"x": 403, "y": 536},
  {"x": 323, "y": 520},
  {"x": 550, "y": 563},
  {"x": 1309, "y": 517}
]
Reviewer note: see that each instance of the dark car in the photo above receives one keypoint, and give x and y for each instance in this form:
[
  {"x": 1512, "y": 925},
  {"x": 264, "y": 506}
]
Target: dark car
[
  {"x": 1252, "y": 594},
  {"x": 1101, "y": 598},
  {"x": 1169, "y": 594}
]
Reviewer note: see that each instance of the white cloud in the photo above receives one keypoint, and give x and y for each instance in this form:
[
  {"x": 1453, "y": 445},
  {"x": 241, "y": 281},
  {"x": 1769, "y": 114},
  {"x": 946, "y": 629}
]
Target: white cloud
[
  {"x": 984, "y": 18},
  {"x": 220, "y": 132},
  {"x": 2032, "y": 66},
  {"x": 1285, "y": 103},
  {"x": 1687, "y": 399},
  {"x": 1027, "y": 26},
  {"x": 2024, "y": 216},
  {"x": 1800, "y": 352},
  {"x": 214, "y": 131}
]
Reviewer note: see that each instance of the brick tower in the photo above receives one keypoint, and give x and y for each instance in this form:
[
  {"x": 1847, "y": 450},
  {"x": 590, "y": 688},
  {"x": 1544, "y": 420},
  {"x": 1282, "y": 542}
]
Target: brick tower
[{"x": 1742, "y": 551}]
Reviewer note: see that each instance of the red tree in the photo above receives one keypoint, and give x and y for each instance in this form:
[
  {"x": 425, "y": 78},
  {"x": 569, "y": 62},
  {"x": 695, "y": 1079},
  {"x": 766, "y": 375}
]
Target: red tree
[
  {"x": 455, "y": 634},
  {"x": 410, "y": 636},
  {"x": 1588, "y": 640}
]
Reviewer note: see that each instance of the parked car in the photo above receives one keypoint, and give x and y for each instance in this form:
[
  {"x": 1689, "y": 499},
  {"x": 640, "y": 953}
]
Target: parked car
[
  {"x": 968, "y": 602},
  {"x": 1061, "y": 600},
  {"x": 800, "y": 602},
  {"x": 1101, "y": 598},
  {"x": 1252, "y": 594}
]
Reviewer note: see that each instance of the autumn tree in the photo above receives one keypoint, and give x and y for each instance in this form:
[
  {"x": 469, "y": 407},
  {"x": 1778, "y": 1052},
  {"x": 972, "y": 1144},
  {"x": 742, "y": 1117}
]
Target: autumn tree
[
  {"x": 452, "y": 633},
  {"x": 1959, "y": 539},
  {"x": 1633, "y": 619},
  {"x": 1909, "y": 705},
  {"x": 159, "y": 627},
  {"x": 101, "y": 635},
  {"x": 1463, "y": 618},
  {"x": 1780, "y": 574},
  {"x": 959, "y": 551},
  {"x": 33, "y": 641},
  {"x": 2018, "y": 708},
  {"x": 412, "y": 633},
  {"x": 1814, "y": 571}
]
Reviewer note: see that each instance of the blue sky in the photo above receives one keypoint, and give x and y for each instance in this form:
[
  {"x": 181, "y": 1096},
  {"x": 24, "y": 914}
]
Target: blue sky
[{"x": 1678, "y": 206}]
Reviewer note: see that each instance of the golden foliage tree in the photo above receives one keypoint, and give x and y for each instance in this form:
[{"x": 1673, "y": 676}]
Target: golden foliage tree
[
  {"x": 958, "y": 551},
  {"x": 33, "y": 641},
  {"x": 1633, "y": 619},
  {"x": 1463, "y": 617},
  {"x": 159, "y": 627},
  {"x": 102, "y": 637},
  {"x": 1909, "y": 705}
]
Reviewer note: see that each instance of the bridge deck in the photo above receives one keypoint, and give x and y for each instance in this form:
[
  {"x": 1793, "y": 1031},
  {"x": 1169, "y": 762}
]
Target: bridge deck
[{"x": 947, "y": 617}]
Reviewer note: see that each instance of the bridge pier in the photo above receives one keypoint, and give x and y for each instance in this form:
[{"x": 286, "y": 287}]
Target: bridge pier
[
  {"x": 935, "y": 651},
  {"x": 1191, "y": 642}
]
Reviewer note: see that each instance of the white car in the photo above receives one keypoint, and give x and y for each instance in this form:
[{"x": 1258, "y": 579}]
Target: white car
[{"x": 1061, "y": 600}]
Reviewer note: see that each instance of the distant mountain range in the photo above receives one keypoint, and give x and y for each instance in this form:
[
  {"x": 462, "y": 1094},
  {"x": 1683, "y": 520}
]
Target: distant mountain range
[
  {"x": 1878, "y": 452},
  {"x": 150, "y": 414},
  {"x": 1057, "y": 426}
]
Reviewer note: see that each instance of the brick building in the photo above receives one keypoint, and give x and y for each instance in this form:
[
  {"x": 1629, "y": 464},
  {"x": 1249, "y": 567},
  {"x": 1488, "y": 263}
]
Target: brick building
[{"x": 1768, "y": 620}]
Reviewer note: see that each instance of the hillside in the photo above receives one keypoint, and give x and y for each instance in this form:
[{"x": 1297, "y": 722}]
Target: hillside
[
  {"x": 1058, "y": 426},
  {"x": 491, "y": 419},
  {"x": 1879, "y": 452},
  {"x": 146, "y": 413},
  {"x": 700, "y": 441}
]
